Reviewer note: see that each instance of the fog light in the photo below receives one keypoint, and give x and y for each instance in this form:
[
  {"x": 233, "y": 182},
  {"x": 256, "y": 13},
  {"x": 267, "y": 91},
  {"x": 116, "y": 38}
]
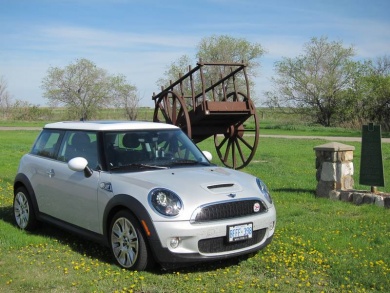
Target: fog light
[
  {"x": 174, "y": 243},
  {"x": 272, "y": 225}
]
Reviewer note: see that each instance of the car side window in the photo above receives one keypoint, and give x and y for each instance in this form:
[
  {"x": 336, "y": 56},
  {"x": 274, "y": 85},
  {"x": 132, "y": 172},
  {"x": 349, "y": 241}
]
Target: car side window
[
  {"x": 47, "y": 143},
  {"x": 80, "y": 144}
]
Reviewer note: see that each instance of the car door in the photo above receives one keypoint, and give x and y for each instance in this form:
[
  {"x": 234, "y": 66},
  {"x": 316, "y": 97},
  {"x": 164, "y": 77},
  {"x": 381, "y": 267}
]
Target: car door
[
  {"x": 71, "y": 196},
  {"x": 40, "y": 160}
]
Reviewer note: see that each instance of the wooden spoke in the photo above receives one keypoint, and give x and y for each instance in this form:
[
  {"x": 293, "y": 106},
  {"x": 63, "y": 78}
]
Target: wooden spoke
[{"x": 237, "y": 147}]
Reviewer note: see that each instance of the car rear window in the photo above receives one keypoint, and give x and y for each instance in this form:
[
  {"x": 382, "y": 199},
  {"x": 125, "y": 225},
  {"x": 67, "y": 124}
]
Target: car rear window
[{"x": 47, "y": 143}]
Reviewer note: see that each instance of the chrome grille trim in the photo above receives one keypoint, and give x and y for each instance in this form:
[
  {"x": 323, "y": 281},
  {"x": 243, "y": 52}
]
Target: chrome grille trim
[{"x": 229, "y": 209}]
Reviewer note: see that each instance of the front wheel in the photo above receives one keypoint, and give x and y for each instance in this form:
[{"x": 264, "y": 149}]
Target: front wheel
[
  {"x": 128, "y": 244},
  {"x": 23, "y": 210}
]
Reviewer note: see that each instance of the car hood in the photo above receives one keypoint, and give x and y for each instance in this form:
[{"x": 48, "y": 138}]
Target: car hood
[{"x": 196, "y": 186}]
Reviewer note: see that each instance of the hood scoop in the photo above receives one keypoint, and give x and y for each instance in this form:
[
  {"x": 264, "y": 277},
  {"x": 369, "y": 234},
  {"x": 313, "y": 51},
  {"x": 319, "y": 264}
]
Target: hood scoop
[{"x": 222, "y": 187}]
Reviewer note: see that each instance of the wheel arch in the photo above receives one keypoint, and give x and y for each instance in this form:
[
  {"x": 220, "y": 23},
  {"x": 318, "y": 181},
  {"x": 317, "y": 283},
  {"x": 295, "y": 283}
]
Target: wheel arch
[
  {"x": 127, "y": 202},
  {"x": 21, "y": 180}
]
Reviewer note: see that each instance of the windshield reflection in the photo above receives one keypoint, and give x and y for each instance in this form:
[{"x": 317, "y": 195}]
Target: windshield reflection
[{"x": 151, "y": 149}]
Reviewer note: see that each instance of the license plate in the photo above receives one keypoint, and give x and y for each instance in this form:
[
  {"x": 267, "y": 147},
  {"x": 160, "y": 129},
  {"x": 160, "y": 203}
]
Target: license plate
[{"x": 240, "y": 232}]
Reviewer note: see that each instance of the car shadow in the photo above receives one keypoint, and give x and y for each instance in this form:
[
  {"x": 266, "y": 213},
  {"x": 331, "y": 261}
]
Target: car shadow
[
  {"x": 75, "y": 243},
  {"x": 101, "y": 253},
  {"x": 6, "y": 214},
  {"x": 295, "y": 190},
  {"x": 201, "y": 267}
]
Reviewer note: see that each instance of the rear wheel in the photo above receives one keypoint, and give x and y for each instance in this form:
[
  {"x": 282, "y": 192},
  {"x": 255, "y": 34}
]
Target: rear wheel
[
  {"x": 23, "y": 210},
  {"x": 128, "y": 244},
  {"x": 171, "y": 109}
]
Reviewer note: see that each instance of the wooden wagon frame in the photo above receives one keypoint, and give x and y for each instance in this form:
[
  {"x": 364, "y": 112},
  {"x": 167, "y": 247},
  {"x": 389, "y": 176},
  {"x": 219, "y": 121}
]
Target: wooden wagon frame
[{"x": 223, "y": 109}]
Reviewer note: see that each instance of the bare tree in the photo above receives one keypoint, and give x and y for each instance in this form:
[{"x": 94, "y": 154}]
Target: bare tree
[{"x": 5, "y": 98}]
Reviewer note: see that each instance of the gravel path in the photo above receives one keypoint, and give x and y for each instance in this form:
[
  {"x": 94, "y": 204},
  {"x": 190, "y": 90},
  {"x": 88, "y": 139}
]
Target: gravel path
[
  {"x": 331, "y": 138},
  {"x": 5, "y": 128}
]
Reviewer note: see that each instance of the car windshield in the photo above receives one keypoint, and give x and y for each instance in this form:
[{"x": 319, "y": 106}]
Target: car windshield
[{"x": 150, "y": 149}]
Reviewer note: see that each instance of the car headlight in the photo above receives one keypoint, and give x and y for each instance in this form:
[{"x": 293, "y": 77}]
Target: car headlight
[
  {"x": 165, "y": 202},
  {"x": 264, "y": 190}
]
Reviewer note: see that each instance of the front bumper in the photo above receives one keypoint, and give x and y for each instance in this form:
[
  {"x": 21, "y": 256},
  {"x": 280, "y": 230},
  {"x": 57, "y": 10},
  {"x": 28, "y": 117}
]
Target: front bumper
[{"x": 208, "y": 241}]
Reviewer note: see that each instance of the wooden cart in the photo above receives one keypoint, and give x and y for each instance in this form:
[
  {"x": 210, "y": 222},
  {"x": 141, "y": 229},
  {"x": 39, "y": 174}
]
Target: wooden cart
[{"x": 223, "y": 110}]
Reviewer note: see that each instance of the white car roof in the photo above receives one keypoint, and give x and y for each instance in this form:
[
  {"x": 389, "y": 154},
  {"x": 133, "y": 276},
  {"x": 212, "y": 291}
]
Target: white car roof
[{"x": 108, "y": 125}]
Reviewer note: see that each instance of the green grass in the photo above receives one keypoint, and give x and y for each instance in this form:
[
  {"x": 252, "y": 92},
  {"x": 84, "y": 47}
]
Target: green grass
[
  {"x": 305, "y": 130},
  {"x": 319, "y": 246}
]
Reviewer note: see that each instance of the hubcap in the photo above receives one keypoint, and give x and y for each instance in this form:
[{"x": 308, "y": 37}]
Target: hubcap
[
  {"x": 124, "y": 242},
  {"x": 21, "y": 210}
]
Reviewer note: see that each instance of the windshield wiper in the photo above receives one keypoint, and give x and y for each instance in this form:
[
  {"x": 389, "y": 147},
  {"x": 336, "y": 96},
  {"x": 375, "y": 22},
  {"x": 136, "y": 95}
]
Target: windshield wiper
[
  {"x": 138, "y": 166},
  {"x": 188, "y": 162}
]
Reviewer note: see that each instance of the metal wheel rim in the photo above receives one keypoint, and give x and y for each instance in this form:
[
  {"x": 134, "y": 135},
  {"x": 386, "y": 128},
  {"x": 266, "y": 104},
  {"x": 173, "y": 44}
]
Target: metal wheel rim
[
  {"x": 21, "y": 210},
  {"x": 124, "y": 242}
]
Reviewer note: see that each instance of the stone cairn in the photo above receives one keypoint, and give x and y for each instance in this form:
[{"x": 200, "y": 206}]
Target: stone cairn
[{"x": 334, "y": 164}]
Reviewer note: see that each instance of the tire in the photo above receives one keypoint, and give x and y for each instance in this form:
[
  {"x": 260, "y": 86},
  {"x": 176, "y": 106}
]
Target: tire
[
  {"x": 23, "y": 210},
  {"x": 127, "y": 243}
]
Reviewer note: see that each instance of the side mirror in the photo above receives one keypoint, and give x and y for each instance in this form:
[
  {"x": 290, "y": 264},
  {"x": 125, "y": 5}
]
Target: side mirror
[
  {"x": 208, "y": 155},
  {"x": 79, "y": 164}
]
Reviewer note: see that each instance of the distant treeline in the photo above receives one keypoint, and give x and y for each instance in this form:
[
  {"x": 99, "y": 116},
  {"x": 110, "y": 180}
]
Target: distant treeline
[{"x": 267, "y": 116}]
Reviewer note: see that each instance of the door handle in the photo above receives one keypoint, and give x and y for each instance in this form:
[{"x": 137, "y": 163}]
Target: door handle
[{"x": 50, "y": 173}]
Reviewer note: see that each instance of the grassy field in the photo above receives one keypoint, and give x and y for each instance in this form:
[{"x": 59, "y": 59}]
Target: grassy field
[
  {"x": 272, "y": 121},
  {"x": 319, "y": 246}
]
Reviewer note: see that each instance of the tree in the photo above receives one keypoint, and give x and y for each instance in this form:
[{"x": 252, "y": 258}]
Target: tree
[
  {"x": 82, "y": 87},
  {"x": 179, "y": 66},
  {"x": 176, "y": 70},
  {"x": 228, "y": 49},
  {"x": 223, "y": 49},
  {"x": 125, "y": 96},
  {"x": 5, "y": 97},
  {"x": 314, "y": 83},
  {"x": 376, "y": 96}
]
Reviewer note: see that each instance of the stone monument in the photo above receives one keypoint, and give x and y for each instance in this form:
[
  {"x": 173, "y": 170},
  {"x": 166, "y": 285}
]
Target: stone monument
[{"x": 334, "y": 168}]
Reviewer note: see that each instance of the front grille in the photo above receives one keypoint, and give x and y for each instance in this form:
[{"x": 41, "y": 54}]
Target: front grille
[
  {"x": 220, "y": 244},
  {"x": 228, "y": 210}
]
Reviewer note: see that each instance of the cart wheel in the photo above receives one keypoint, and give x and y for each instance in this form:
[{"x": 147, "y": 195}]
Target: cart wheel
[
  {"x": 233, "y": 97},
  {"x": 237, "y": 147},
  {"x": 171, "y": 108}
]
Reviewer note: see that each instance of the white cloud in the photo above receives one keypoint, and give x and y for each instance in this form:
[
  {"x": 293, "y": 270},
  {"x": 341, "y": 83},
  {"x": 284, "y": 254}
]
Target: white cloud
[
  {"x": 88, "y": 37},
  {"x": 141, "y": 57}
]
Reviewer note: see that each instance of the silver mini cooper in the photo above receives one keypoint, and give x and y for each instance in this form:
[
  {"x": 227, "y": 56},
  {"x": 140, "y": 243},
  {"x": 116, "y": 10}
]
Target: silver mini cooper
[{"x": 143, "y": 189}]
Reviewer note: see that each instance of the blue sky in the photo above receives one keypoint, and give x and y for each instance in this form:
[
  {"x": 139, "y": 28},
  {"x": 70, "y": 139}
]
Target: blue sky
[{"x": 141, "y": 38}]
